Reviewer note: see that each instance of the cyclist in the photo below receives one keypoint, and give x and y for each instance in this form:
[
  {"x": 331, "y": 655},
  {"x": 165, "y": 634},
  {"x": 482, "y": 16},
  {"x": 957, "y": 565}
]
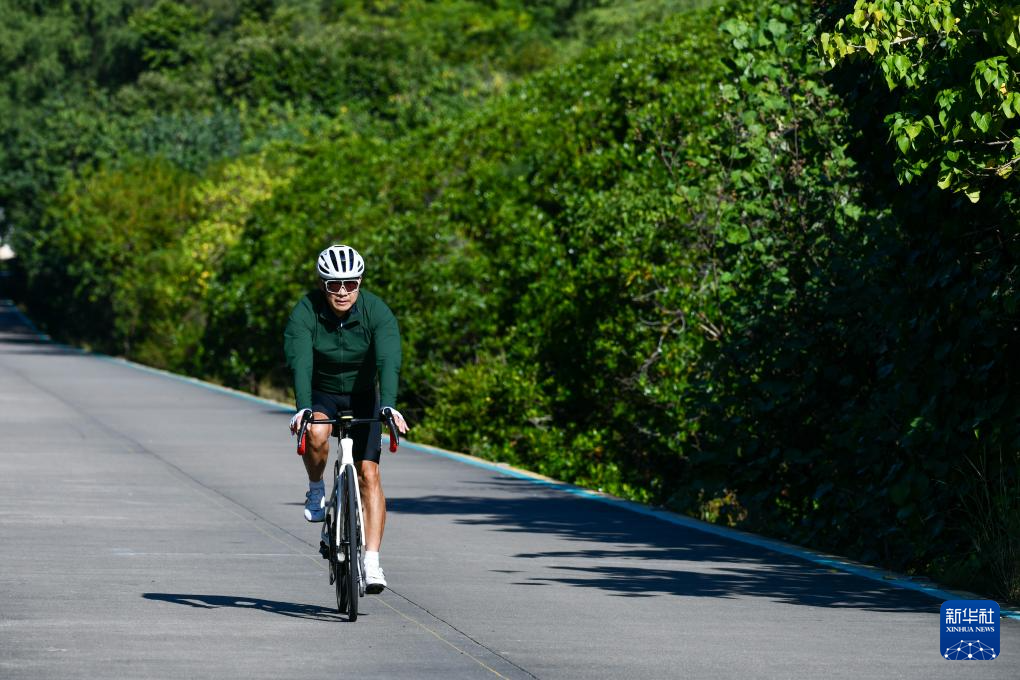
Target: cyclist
[{"x": 342, "y": 344}]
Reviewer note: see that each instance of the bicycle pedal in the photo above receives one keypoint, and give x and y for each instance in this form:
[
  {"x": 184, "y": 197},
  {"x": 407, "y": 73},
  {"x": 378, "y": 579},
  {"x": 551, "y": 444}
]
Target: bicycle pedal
[{"x": 324, "y": 550}]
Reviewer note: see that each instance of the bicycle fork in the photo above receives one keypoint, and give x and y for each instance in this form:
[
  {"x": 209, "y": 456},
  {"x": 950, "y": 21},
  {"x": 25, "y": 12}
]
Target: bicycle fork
[{"x": 347, "y": 459}]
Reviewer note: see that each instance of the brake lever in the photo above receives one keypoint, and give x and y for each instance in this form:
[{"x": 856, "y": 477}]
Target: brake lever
[
  {"x": 303, "y": 435},
  {"x": 394, "y": 435}
]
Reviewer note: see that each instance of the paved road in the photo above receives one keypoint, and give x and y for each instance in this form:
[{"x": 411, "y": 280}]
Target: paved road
[{"x": 151, "y": 528}]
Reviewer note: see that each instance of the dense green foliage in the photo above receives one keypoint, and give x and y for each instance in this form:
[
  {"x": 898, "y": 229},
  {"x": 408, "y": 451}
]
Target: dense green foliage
[
  {"x": 958, "y": 62},
  {"x": 649, "y": 247},
  {"x": 942, "y": 397},
  {"x": 102, "y": 80}
]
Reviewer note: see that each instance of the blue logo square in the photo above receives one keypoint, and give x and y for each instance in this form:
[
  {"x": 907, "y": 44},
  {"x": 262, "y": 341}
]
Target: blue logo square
[{"x": 970, "y": 630}]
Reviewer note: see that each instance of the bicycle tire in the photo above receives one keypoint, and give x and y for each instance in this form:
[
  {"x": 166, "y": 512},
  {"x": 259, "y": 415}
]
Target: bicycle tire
[
  {"x": 339, "y": 558},
  {"x": 354, "y": 575}
]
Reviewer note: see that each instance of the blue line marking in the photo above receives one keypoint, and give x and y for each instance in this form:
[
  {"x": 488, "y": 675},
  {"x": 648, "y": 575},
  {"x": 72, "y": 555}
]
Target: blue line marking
[{"x": 871, "y": 573}]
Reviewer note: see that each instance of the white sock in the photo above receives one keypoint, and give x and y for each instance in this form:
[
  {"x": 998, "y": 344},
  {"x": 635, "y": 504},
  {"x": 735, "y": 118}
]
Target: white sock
[{"x": 372, "y": 557}]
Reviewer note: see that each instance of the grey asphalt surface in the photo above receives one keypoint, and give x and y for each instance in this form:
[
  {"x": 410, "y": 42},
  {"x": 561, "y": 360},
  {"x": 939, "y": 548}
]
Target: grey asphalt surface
[{"x": 152, "y": 528}]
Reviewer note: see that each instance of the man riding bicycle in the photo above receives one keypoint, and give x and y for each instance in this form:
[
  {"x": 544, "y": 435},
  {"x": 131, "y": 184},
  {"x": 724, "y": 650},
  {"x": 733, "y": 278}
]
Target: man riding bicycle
[{"x": 342, "y": 343}]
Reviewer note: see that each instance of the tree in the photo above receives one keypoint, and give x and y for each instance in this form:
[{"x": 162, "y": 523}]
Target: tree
[{"x": 954, "y": 65}]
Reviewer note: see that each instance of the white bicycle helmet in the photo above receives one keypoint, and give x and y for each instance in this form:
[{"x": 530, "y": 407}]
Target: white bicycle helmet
[{"x": 340, "y": 262}]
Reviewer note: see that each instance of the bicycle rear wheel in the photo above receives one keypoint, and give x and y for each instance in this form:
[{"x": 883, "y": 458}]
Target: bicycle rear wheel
[
  {"x": 360, "y": 552},
  {"x": 328, "y": 547},
  {"x": 355, "y": 575}
]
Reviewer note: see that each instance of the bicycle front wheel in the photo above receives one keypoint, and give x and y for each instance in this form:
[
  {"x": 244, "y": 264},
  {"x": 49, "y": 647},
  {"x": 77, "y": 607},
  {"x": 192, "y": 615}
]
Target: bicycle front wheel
[
  {"x": 337, "y": 548},
  {"x": 355, "y": 576}
]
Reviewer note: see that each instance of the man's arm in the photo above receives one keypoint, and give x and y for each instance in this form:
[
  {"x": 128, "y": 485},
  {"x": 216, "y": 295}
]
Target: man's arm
[
  {"x": 297, "y": 347},
  {"x": 388, "y": 358}
]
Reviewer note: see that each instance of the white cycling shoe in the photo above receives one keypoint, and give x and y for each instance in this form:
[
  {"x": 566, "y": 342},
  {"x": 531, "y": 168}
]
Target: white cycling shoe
[
  {"x": 375, "y": 580},
  {"x": 315, "y": 505}
]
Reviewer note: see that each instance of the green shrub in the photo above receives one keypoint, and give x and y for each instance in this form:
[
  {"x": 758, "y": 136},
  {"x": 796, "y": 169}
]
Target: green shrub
[{"x": 99, "y": 259}]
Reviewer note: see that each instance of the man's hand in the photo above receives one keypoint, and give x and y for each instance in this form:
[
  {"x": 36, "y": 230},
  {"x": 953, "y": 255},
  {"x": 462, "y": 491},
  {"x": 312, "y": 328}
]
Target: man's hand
[
  {"x": 295, "y": 422},
  {"x": 398, "y": 419}
]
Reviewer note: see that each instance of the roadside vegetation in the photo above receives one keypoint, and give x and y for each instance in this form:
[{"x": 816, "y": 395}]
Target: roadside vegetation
[{"x": 754, "y": 263}]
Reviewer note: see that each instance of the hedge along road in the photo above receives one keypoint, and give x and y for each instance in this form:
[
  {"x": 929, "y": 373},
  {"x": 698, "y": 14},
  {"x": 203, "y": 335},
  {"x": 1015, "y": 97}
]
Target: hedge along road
[{"x": 151, "y": 528}]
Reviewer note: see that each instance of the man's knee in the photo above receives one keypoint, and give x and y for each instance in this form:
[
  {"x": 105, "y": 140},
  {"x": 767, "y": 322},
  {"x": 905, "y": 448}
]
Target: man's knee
[
  {"x": 319, "y": 434},
  {"x": 368, "y": 473}
]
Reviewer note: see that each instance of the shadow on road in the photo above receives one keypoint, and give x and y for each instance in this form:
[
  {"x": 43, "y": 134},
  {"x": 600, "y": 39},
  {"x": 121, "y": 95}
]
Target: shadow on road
[
  {"x": 47, "y": 350},
  {"x": 22, "y": 339},
  {"x": 12, "y": 343},
  {"x": 291, "y": 609},
  {"x": 639, "y": 556}
]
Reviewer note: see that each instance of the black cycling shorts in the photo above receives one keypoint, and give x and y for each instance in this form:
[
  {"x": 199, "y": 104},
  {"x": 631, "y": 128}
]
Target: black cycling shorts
[{"x": 367, "y": 438}]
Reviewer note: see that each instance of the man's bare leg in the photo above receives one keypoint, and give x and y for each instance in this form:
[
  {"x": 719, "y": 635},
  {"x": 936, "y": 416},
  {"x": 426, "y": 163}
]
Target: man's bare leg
[
  {"x": 317, "y": 448},
  {"x": 316, "y": 453},
  {"x": 373, "y": 502}
]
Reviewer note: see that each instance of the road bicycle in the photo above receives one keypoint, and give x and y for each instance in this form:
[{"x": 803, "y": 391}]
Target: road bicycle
[{"x": 343, "y": 531}]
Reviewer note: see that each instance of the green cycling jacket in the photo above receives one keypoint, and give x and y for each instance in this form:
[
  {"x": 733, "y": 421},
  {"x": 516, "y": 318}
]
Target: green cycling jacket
[{"x": 343, "y": 355}]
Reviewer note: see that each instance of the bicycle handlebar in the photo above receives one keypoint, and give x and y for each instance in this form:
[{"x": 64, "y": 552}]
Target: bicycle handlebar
[{"x": 307, "y": 420}]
